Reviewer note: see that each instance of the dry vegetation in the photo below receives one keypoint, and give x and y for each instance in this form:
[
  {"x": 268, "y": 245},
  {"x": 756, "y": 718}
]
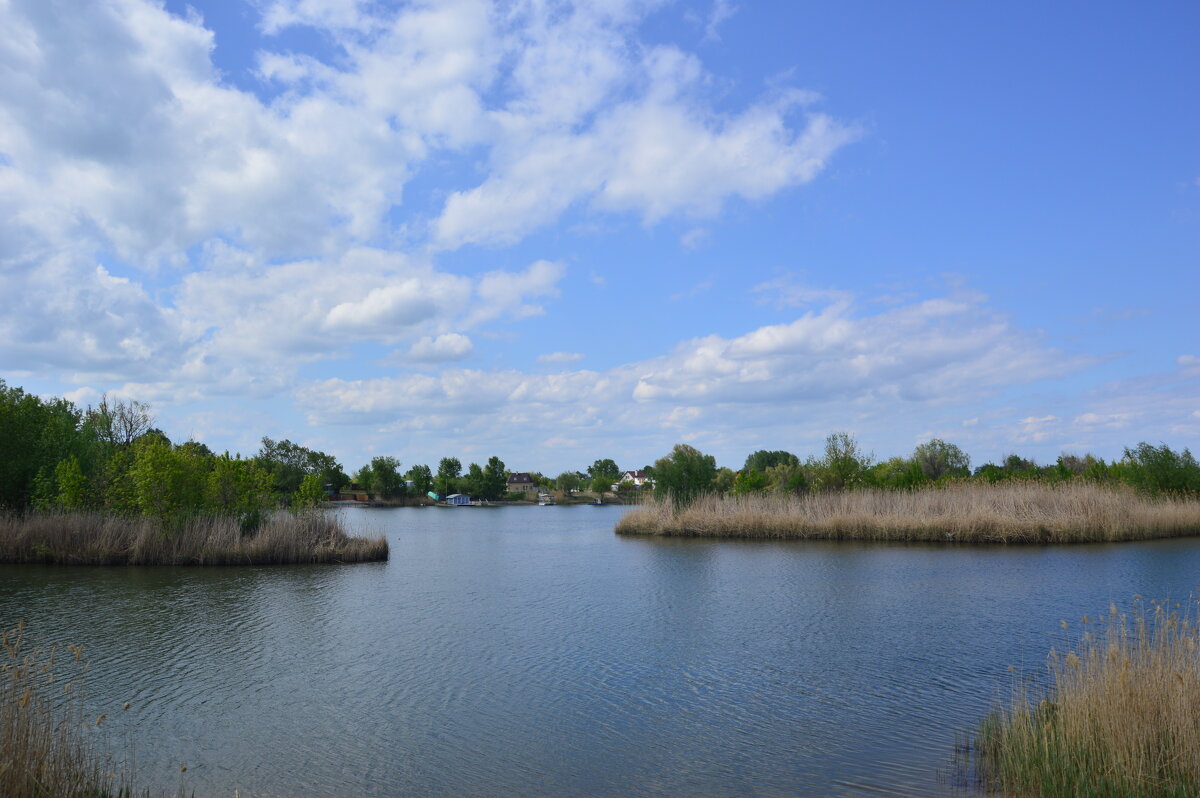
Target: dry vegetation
[
  {"x": 1121, "y": 716},
  {"x": 1024, "y": 512},
  {"x": 105, "y": 539},
  {"x": 47, "y": 748}
]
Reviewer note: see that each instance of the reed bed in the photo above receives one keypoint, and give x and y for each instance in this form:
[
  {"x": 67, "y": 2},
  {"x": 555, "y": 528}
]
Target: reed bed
[
  {"x": 102, "y": 539},
  {"x": 956, "y": 513},
  {"x": 47, "y": 748},
  {"x": 1121, "y": 715}
]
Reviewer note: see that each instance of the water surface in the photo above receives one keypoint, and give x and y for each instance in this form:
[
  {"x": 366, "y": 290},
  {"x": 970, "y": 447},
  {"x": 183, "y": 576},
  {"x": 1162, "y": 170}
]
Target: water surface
[{"x": 530, "y": 651}]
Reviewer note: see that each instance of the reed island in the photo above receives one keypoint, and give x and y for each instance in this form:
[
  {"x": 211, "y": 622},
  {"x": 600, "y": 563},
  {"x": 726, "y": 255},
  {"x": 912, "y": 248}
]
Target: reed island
[
  {"x": 103, "y": 486},
  {"x": 932, "y": 496}
]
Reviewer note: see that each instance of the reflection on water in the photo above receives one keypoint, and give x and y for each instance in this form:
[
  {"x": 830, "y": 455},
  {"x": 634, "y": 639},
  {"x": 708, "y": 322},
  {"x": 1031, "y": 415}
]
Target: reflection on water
[{"x": 531, "y": 651}]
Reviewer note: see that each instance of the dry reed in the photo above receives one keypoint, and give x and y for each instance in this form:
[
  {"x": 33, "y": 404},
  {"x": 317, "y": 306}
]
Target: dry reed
[
  {"x": 957, "y": 513},
  {"x": 1121, "y": 716},
  {"x": 102, "y": 539},
  {"x": 46, "y": 745}
]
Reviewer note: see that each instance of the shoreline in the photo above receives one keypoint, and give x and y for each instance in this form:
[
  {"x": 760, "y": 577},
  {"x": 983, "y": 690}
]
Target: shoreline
[{"x": 970, "y": 514}]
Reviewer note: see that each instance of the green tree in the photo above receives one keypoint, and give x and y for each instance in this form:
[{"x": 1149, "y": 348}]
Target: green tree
[
  {"x": 568, "y": 481},
  {"x": 449, "y": 470},
  {"x": 72, "y": 484},
  {"x": 170, "y": 483},
  {"x": 385, "y": 477},
  {"x": 899, "y": 473},
  {"x": 939, "y": 459},
  {"x": 290, "y": 462},
  {"x": 606, "y": 468},
  {"x": 762, "y": 459},
  {"x": 476, "y": 482},
  {"x": 240, "y": 488},
  {"x": 787, "y": 479},
  {"x": 601, "y": 483},
  {"x": 844, "y": 465},
  {"x": 684, "y": 474},
  {"x": 309, "y": 494},
  {"x": 1159, "y": 469},
  {"x": 422, "y": 479},
  {"x": 495, "y": 479},
  {"x": 751, "y": 481}
]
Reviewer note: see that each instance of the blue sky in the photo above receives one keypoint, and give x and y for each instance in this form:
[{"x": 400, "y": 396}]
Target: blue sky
[{"x": 560, "y": 232}]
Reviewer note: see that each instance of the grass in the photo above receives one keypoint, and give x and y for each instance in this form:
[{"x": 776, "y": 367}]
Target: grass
[
  {"x": 47, "y": 747},
  {"x": 956, "y": 513},
  {"x": 103, "y": 539},
  {"x": 1121, "y": 715}
]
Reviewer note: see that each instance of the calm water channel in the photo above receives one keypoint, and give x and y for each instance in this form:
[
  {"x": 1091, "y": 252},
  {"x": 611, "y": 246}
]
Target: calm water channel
[{"x": 530, "y": 651}]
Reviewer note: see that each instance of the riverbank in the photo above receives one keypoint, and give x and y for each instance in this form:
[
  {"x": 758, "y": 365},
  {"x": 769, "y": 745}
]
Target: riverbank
[
  {"x": 1119, "y": 718},
  {"x": 102, "y": 539},
  {"x": 957, "y": 513}
]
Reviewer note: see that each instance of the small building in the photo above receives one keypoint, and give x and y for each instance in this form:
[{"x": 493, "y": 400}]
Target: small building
[
  {"x": 458, "y": 500},
  {"x": 638, "y": 478},
  {"x": 521, "y": 483}
]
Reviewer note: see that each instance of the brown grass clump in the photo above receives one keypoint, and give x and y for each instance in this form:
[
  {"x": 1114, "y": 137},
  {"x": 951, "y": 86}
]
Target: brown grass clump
[
  {"x": 956, "y": 513},
  {"x": 46, "y": 750},
  {"x": 102, "y": 539},
  {"x": 1121, "y": 716}
]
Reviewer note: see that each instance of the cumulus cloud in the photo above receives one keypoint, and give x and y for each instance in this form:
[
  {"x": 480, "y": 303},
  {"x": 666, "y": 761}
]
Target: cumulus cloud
[
  {"x": 938, "y": 351},
  {"x": 444, "y": 348}
]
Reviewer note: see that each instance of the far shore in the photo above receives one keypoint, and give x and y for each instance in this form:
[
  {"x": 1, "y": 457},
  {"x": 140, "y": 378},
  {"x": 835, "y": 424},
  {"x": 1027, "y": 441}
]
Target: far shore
[{"x": 1024, "y": 513}]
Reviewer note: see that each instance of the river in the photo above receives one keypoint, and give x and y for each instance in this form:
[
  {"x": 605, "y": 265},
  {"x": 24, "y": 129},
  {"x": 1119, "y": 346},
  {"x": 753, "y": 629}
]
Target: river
[{"x": 530, "y": 651}]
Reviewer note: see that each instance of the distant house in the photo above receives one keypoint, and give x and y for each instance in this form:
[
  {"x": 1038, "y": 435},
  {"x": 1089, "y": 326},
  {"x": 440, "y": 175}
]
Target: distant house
[
  {"x": 638, "y": 478},
  {"x": 458, "y": 499},
  {"x": 521, "y": 483}
]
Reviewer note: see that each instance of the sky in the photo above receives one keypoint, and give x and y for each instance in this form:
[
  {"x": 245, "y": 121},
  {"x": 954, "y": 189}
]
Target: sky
[{"x": 559, "y": 232}]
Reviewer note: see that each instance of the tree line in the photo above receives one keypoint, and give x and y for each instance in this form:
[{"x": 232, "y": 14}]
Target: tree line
[
  {"x": 111, "y": 457},
  {"x": 686, "y": 472}
]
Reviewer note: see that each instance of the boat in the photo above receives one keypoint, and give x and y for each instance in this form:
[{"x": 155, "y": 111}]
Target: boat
[{"x": 545, "y": 500}]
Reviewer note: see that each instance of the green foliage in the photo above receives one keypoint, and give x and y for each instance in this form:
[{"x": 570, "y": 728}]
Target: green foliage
[
  {"x": 1159, "y": 469},
  {"x": 763, "y": 459},
  {"x": 288, "y": 463},
  {"x": 309, "y": 494},
  {"x": 568, "y": 481},
  {"x": 238, "y": 487},
  {"x": 899, "y": 473},
  {"x": 750, "y": 481},
  {"x": 72, "y": 484},
  {"x": 169, "y": 482},
  {"x": 475, "y": 481},
  {"x": 495, "y": 479},
  {"x": 422, "y": 479},
  {"x": 381, "y": 477},
  {"x": 787, "y": 479},
  {"x": 601, "y": 483},
  {"x": 938, "y": 459},
  {"x": 604, "y": 468},
  {"x": 684, "y": 474},
  {"x": 446, "y": 481},
  {"x": 723, "y": 480},
  {"x": 844, "y": 465}
]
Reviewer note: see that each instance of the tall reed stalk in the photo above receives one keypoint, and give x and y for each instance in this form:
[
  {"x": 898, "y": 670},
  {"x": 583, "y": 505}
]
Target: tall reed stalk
[
  {"x": 46, "y": 746},
  {"x": 1120, "y": 717},
  {"x": 956, "y": 513},
  {"x": 104, "y": 539}
]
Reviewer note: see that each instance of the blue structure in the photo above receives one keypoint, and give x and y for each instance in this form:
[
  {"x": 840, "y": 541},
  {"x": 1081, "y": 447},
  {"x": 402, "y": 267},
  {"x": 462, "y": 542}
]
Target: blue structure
[{"x": 458, "y": 499}]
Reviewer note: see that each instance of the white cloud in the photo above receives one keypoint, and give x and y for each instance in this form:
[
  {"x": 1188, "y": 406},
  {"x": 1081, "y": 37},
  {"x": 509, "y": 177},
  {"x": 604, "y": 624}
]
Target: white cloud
[
  {"x": 560, "y": 358},
  {"x": 940, "y": 351},
  {"x": 446, "y": 347}
]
